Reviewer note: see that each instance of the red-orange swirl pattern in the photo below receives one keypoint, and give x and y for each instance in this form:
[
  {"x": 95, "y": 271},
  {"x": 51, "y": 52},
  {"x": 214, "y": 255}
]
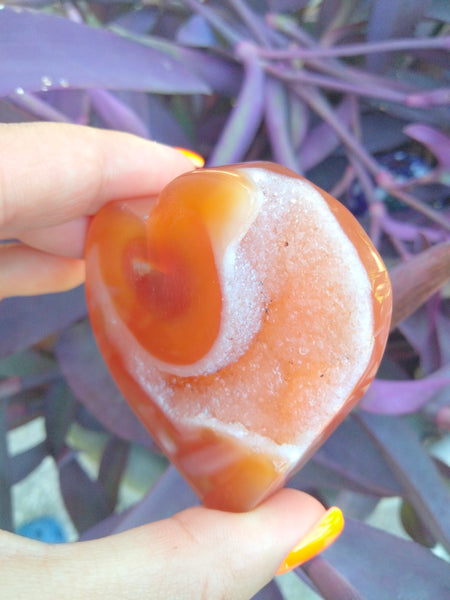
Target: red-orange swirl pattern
[{"x": 242, "y": 313}]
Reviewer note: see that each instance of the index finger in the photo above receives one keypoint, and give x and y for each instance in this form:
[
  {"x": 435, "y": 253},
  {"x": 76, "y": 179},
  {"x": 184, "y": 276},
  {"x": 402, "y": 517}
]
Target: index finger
[{"x": 52, "y": 173}]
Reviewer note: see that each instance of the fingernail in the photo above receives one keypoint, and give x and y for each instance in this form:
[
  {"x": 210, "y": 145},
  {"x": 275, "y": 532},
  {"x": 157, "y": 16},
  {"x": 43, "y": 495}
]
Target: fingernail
[
  {"x": 197, "y": 160},
  {"x": 323, "y": 533}
]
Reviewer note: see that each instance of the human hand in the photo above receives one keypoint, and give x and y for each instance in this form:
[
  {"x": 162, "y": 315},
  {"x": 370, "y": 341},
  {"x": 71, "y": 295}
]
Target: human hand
[{"x": 52, "y": 179}]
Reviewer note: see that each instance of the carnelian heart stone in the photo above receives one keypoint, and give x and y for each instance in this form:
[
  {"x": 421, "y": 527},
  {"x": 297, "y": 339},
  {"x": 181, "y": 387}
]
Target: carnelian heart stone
[{"x": 242, "y": 313}]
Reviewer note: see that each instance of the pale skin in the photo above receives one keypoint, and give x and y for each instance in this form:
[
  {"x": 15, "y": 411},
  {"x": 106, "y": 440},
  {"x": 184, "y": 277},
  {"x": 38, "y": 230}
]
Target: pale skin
[{"x": 53, "y": 178}]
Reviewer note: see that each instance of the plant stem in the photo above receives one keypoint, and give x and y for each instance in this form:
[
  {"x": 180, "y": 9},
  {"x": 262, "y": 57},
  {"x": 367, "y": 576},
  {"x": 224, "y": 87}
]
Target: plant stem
[
  {"x": 356, "y": 49},
  {"x": 253, "y": 22},
  {"x": 416, "y": 204},
  {"x": 321, "y": 106},
  {"x": 303, "y": 76},
  {"x": 37, "y": 107}
]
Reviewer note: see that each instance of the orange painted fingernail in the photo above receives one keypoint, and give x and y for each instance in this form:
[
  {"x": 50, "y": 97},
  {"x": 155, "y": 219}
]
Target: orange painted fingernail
[
  {"x": 323, "y": 533},
  {"x": 197, "y": 160}
]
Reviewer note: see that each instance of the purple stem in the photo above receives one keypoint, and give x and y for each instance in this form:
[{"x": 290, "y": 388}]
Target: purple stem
[
  {"x": 116, "y": 113},
  {"x": 329, "y": 582},
  {"x": 409, "y": 232},
  {"x": 357, "y": 49},
  {"x": 376, "y": 209},
  {"x": 286, "y": 25},
  {"x": 331, "y": 65},
  {"x": 321, "y": 106},
  {"x": 37, "y": 107},
  {"x": 322, "y": 140},
  {"x": 428, "y": 99},
  {"x": 341, "y": 186},
  {"x": 412, "y": 202},
  {"x": 252, "y": 21},
  {"x": 373, "y": 91},
  {"x": 399, "y": 246}
]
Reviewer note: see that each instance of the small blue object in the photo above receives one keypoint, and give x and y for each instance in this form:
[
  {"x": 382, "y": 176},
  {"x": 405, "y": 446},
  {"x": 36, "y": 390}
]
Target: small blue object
[
  {"x": 403, "y": 166},
  {"x": 44, "y": 529}
]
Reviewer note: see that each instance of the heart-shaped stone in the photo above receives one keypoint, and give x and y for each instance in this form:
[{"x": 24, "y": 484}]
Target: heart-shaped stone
[{"x": 242, "y": 313}]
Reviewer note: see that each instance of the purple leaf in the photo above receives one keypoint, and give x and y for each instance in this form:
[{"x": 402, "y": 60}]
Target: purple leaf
[
  {"x": 84, "y": 498},
  {"x": 401, "y": 397},
  {"x": 246, "y": 115},
  {"x": 436, "y": 141},
  {"x": 380, "y": 565},
  {"x": 333, "y": 14},
  {"x": 277, "y": 120},
  {"x": 437, "y": 117},
  {"x": 269, "y": 592},
  {"x": 6, "y": 519},
  {"x": 300, "y": 120},
  {"x": 329, "y": 582},
  {"x": 412, "y": 524},
  {"x": 23, "y": 408},
  {"x": 168, "y": 496},
  {"x": 439, "y": 11},
  {"x": 219, "y": 73},
  {"x": 25, "y": 321},
  {"x": 443, "y": 331},
  {"x": 47, "y": 52},
  {"x": 26, "y": 364},
  {"x": 163, "y": 125},
  {"x": 318, "y": 474},
  {"x": 356, "y": 505},
  {"x": 112, "y": 466},
  {"x": 26, "y": 462},
  {"x": 104, "y": 527},
  {"x": 421, "y": 333},
  {"x": 59, "y": 406},
  {"x": 138, "y": 21},
  {"x": 414, "y": 469},
  {"x": 89, "y": 378},
  {"x": 381, "y": 132},
  {"x": 218, "y": 20},
  {"x": 389, "y": 20},
  {"x": 350, "y": 452},
  {"x": 196, "y": 32},
  {"x": 287, "y": 5}
]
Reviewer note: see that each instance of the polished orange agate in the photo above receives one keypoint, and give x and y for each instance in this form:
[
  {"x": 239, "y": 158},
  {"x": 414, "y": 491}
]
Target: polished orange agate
[{"x": 242, "y": 313}]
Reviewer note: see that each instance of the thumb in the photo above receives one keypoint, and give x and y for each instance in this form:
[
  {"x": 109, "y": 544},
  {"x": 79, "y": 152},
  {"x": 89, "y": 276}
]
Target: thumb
[{"x": 198, "y": 553}]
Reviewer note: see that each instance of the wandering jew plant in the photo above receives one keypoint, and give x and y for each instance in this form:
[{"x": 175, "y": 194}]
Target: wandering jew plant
[{"x": 353, "y": 94}]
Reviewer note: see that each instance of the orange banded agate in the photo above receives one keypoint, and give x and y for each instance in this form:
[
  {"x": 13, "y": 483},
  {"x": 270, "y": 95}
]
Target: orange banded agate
[{"x": 242, "y": 313}]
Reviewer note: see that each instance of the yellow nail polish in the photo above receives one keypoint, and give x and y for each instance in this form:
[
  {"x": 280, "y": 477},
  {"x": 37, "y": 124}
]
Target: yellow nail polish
[
  {"x": 197, "y": 160},
  {"x": 322, "y": 534}
]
